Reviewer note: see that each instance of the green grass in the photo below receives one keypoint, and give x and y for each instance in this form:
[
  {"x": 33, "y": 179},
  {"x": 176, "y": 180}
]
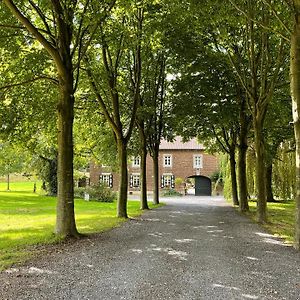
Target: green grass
[
  {"x": 28, "y": 219},
  {"x": 25, "y": 186},
  {"x": 281, "y": 219}
]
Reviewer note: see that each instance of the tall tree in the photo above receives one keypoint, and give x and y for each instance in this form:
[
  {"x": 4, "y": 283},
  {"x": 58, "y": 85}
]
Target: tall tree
[
  {"x": 258, "y": 66},
  {"x": 65, "y": 40},
  {"x": 287, "y": 15},
  {"x": 158, "y": 113},
  {"x": 213, "y": 113},
  {"x": 120, "y": 64},
  {"x": 294, "y": 6}
]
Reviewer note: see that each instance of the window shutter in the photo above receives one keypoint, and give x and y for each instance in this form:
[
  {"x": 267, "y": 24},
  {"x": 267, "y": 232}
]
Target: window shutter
[
  {"x": 110, "y": 180},
  {"x": 101, "y": 178},
  {"x": 172, "y": 181},
  {"x": 131, "y": 181},
  {"x": 162, "y": 183}
]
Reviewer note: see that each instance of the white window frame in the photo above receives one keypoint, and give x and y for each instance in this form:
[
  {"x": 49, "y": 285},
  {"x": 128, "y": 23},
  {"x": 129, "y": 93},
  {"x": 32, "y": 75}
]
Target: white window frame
[
  {"x": 106, "y": 178},
  {"x": 136, "y": 177},
  {"x": 167, "y": 178},
  {"x": 136, "y": 162},
  {"x": 167, "y": 163},
  {"x": 198, "y": 161}
]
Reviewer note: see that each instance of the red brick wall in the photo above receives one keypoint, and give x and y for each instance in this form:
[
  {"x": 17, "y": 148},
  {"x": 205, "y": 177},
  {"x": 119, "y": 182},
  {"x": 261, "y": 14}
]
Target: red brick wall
[{"x": 182, "y": 166}]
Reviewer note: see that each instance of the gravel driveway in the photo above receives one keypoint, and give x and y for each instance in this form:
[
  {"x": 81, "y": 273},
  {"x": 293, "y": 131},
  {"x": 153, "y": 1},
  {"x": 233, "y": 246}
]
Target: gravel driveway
[{"x": 192, "y": 248}]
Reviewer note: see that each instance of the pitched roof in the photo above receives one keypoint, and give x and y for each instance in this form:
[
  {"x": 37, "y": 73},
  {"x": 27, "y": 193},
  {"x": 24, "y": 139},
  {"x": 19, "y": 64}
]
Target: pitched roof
[{"x": 177, "y": 144}]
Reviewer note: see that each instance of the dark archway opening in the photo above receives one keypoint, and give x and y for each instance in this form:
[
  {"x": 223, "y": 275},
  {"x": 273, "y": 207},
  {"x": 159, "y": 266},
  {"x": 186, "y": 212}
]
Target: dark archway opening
[{"x": 202, "y": 185}]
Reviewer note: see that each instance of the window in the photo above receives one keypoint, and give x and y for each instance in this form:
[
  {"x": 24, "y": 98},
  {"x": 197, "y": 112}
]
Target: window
[
  {"x": 136, "y": 161},
  {"x": 168, "y": 181},
  {"x": 167, "y": 160},
  {"x": 134, "y": 180},
  {"x": 198, "y": 161},
  {"x": 107, "y": 178}
]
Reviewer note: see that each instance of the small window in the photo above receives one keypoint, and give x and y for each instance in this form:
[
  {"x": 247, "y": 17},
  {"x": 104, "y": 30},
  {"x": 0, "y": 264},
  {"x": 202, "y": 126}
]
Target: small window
[
  {"x": 198, "y": 161},
  {"x": 167, "y": 160},
  {"x": 134, "y": 180},
  {"x": 136, "y": 161},
  {"x": 106, "y": 178},
  {"x": 168, "y": 181}
]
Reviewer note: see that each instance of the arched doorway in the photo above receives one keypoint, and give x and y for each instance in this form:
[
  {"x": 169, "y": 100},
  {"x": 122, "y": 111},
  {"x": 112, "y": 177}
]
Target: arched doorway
[{"x": 202, "y": 185}]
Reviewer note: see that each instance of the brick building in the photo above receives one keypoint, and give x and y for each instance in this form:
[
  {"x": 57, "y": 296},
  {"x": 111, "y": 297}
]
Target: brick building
[{"x": 187, "y": 161}]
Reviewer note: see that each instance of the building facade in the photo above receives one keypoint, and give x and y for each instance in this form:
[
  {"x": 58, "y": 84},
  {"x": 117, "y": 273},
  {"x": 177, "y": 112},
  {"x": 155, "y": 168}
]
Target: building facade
[{"x": 180, "y": 164}]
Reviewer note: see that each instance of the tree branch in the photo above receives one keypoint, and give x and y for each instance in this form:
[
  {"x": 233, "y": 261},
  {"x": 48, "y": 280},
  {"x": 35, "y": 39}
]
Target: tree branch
[
  {"x": 34, "y": 31},
  {"x": 259, "y": 23},
  {"x": 277, "y": 17},
  {"x": 43, "y": 18},
  {"x": 100, "y": 100},
  {"x": 29, "y": 81}
]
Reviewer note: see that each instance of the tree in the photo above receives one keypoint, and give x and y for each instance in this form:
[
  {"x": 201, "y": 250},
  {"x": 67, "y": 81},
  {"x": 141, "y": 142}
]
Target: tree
[
  {"x": 53, "y": 26},
  {"x": 12, "y": 160},
  {"x": 158, "y": 113},
  {"x": 118, "y": 68},
  {"x": 294, "y": 6},
  {"x": 287, "y": 15},
  {"x": 258, "y": 65},
  {"x": 277, "y": 131},
  {"x": 208, "y": 102}
]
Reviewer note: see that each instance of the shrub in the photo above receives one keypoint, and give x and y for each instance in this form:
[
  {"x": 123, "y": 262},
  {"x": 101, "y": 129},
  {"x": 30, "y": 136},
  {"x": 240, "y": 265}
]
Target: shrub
[
  {"x": 100, "y": 192},
  {"x": 171, "y": 192},
  {"x": 179, "y": 181},
  {"x": 79, "y": 192}
]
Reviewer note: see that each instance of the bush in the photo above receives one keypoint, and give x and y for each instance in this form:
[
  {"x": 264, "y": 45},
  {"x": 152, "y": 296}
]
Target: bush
[
  {"x": 79, "y": 192},
  {"x": 171, "y": 192},
  {"x": 100, "y": 193}
]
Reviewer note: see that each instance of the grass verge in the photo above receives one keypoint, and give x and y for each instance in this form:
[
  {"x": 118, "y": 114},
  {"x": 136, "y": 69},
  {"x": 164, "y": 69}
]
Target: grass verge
[
  {"x": 281, "y": 219},
  {"x": 28, "y": 219}
]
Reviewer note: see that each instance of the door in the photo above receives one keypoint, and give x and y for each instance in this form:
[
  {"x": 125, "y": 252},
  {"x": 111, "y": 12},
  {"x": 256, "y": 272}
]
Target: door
[{"x": 202, "y": 186}]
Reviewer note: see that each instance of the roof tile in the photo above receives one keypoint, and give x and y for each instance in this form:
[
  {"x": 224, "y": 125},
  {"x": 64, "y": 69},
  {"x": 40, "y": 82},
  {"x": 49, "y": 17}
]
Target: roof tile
[{"x": 177, "y": 144}]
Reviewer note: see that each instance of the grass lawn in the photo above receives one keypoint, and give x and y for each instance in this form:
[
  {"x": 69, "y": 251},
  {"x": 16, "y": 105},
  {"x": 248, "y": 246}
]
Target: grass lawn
[
  {"x": 25, "y": 186},
  {"x": 28, "y": 219},
  {"x": 281, "y": 217}
]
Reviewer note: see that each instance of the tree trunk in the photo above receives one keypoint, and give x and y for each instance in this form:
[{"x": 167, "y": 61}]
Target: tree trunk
[
  {"x": 144, "y": 203},
  {"x": 234, "y": 192},
  {"x": 65, "y": 218},
  {"x": 52, "y": 180},
  {"x": 8, "y": 182},
  {"x": 260, "y": 171},
  {"x": 242, "y": 179},
  {"x": 295, "y": 92},
  {"x": 123, "y": 185},
  {"x": 242, "y": 159},
  {"x": 155, "y": 177},
  {"x": 269, "y": 190}
]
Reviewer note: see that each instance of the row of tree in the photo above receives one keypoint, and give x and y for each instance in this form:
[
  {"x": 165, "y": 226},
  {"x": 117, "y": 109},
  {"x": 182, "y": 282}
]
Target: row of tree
[
  {"x": 106, "y": 63},
  {"x": 236, "y": 79},
  {"x": 96, "y": 64}
]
